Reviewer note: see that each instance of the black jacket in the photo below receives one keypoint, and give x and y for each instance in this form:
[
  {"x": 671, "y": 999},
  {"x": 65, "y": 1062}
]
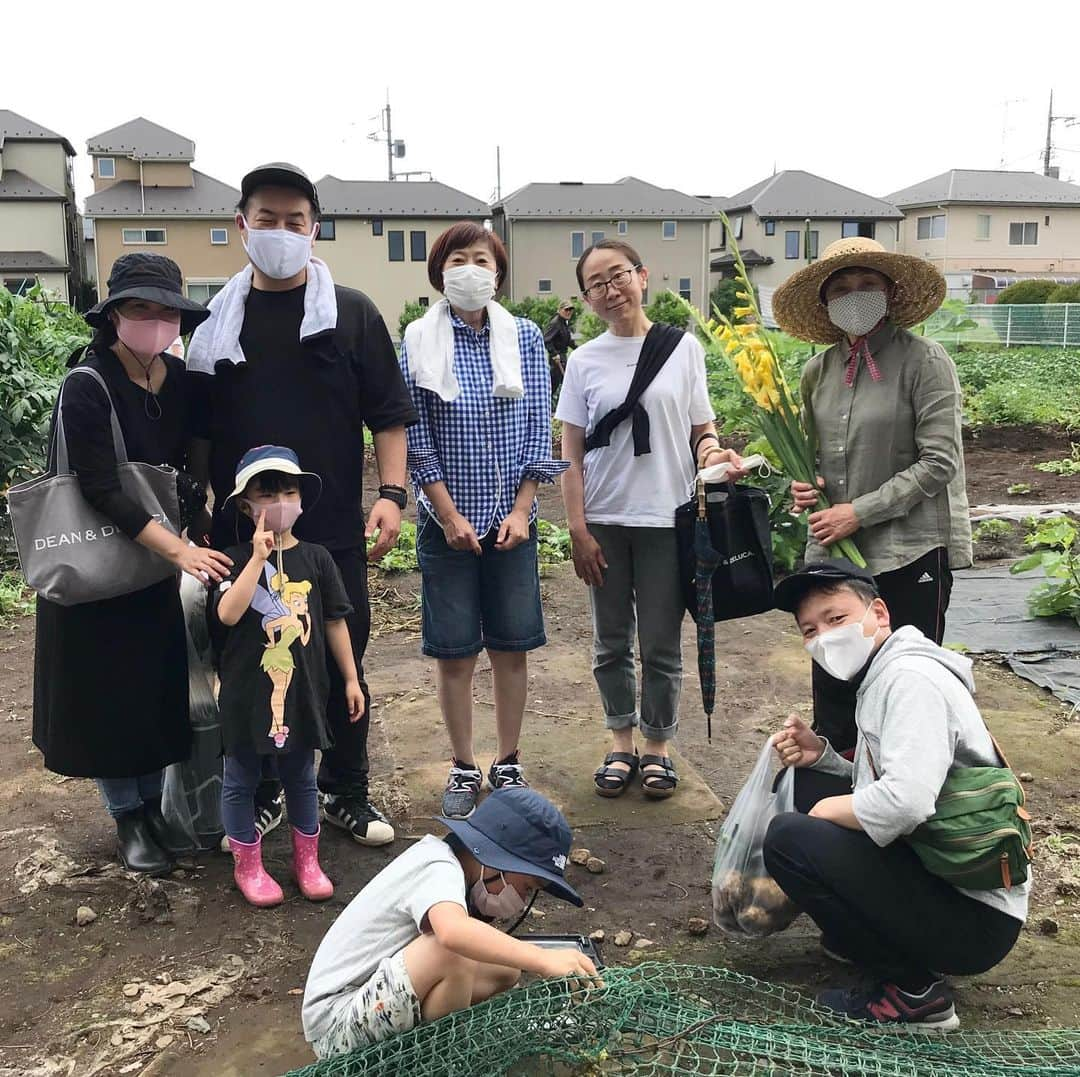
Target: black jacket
[{"x": 557, "y": 337}]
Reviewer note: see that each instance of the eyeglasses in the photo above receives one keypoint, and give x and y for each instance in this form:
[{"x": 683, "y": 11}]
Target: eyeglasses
[{"x": 617, "y": 281}]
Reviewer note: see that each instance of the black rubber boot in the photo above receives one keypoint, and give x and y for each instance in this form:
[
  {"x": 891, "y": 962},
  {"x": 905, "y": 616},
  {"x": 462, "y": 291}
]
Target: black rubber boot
[
  {"x": 137, "y": 848},
  {"x": 166, "y": 834}
]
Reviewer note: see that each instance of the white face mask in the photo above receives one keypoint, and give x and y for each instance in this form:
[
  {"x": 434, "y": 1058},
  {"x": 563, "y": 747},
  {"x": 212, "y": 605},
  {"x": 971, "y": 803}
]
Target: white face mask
[
  {"x": 504, "y": 905},
  {"x": 468, "y": 287},
  {"x": 279, "y": 253},
  {"x": 858, "y": 312},
  {"x": 842, "y": 651}
]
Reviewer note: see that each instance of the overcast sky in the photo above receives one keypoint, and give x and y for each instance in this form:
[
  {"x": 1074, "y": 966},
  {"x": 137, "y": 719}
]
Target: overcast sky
[{"x": 705, "y": 97}]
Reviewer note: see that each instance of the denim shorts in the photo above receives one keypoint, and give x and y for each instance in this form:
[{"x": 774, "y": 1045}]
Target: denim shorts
[{"x": 471, "y": 603}]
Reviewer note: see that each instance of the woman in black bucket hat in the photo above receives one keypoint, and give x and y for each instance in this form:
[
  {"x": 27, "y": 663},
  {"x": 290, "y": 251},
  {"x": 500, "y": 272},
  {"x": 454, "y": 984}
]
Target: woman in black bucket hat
[{"x": 110, "y": 677}]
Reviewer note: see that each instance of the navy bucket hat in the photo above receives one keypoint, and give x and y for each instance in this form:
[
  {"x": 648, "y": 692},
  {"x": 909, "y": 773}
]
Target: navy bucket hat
[
  {"x": 276, "y": 458},
  {"x": 519, "y": 830}
]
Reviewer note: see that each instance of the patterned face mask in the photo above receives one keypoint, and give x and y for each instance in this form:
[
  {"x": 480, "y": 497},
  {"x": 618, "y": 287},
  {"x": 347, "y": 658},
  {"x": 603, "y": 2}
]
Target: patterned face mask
[{"x": 857, "y": 313}]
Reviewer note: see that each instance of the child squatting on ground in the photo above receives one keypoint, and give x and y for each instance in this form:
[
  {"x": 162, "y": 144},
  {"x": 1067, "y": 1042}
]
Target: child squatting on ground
[
  {"x": 417, "y": 942},
  {"x": 282, "y": 599}
]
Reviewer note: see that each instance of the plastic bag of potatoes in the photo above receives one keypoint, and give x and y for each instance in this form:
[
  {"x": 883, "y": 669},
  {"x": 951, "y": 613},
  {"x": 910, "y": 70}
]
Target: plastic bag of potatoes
[{"x": 746, "y": 901}]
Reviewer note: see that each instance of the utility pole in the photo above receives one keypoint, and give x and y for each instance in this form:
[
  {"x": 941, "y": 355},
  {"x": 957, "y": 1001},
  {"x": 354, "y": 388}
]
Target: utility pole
[
  {"x": 1050, "y": 118},
  {"x": 498, "y": 173},
  {"x": 393, "y": 148}
]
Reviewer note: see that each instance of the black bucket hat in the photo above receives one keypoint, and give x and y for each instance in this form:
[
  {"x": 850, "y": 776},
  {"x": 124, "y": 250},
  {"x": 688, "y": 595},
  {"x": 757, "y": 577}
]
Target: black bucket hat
[
  {"x": 791, "y": 590},
  {"x": 279, "y": 174},
  {"x": 148, "y": 276}
]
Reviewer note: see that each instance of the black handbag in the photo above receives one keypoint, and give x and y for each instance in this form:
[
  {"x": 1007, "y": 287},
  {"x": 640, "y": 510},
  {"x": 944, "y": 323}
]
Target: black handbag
[{"x": 738, "y": 522}]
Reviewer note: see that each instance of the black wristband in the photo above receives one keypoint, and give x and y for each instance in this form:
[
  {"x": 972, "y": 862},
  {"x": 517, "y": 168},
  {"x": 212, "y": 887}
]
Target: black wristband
[
  {"x": 397, "y": 494},
  {"x": 697, "y": 444}
]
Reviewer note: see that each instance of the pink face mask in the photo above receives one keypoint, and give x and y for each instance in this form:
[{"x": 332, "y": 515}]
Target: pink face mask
[
  {"x": 280, "y": 515},
  {"x": 147, "y": 337}
]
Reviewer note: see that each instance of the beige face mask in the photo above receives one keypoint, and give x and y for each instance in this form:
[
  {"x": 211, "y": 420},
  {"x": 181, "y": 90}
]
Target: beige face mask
[{"x": 857, "y": 313}]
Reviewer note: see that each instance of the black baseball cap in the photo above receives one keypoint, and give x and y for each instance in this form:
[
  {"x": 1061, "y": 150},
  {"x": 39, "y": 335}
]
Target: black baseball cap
[
  {"x": 279, "y": 174},
  {"x": 517, "y": 829},
  {"x": 143, "y": 275},
  {"x": 791, "y": 590}
]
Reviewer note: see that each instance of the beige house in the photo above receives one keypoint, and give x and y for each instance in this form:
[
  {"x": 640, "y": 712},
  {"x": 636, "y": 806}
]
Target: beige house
[
  {"x": 148, "y": 197},
  {"x": 786, "y": 220},
  {"x": 547, "y": 226},
  {"x": 375, "y": 235},
  {"x": 987, "y": 229},
  {"x": 40, "y": 232}
]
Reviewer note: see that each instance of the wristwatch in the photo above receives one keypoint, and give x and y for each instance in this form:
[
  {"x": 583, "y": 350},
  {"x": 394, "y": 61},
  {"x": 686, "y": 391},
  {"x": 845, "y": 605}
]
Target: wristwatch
[{"x": 397, "y": 494}]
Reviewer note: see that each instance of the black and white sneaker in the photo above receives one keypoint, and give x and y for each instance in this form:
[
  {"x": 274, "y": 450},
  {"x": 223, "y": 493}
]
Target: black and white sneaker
[
  {"x": 506, "y": 774},
  {"x": 462, "y": 791},
  {"x": 360, "y": 818},
  {"x": 268, "y": 815}
]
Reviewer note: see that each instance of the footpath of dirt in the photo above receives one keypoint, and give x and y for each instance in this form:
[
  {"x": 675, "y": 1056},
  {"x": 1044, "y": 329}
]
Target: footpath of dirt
[{"x": 180, "y": 977}]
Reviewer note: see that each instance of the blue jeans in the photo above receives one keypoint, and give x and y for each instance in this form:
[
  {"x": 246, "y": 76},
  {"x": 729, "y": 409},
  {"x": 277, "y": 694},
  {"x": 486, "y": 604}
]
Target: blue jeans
[
  {"x": 243, "y": 772},
  {"x": 470, "y": 603},
  {"x": 129, "y": 794}
]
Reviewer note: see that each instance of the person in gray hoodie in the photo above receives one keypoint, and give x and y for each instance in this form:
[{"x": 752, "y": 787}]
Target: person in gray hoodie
[{"x": 840, "y": 856}]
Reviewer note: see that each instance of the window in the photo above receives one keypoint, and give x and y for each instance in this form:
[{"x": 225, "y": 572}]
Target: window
[
  {"x": 376, "y": 227},
  {"x": 219, "y": 236},
  {"x": 543, "y": 284},
  {"x": 19, "y": 285},
  {"x": 1024, "y": 233},
  {"x": 577, "y": 244},
  {"x": 622, "y": 228},
  {"x": 418, "y": 246},
  {"x": 982, "y": 226},
  {"x": 422, "y": 301},
  {"x": 812, "y": 252},
  {"x": 736, "y": 227},
  {"x": 667, "y": 229},
  {"x": 931, "y": 227},
  {"x": 865, "y": 229},
  {"x": 596, "y": 237},
  {"x": 395, "y": 242},
  {"x": 791, "y": 244},
  {"x": 770, "y": 228},
  {"x": 106, "y": 167},
  {"x": 327, "y": 229},
  {"x": 684, "y": 288},
  {"x": 1046, "y": 220},
  {"x": 143, "y": 235},
  {"x": 202, "y": 291}
]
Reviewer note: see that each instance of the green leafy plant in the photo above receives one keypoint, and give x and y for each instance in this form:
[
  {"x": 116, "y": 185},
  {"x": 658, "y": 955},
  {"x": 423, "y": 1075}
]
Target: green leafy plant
[
  {"x": 1019, "y": 488},
  {"x": 991, "y": 530},
  {"x": 16, "y": 599},
  {"x": 409, "y": 313},
  {"x": 1027, "y": 291},
  {"x": 1065, "y": 293},
  {"x": 787, "y": 532},
  {"x": 553, "y": 543},
  {"x": 1069, "y": 466},
  {"x": 402, "y": 556},
  {"x": 724, "y": 298},
  {"x": 668, "y": 309},
  {"x": 590, "y": 326},
  {"x": 1059, "y": 594},
  {"x": 538, "y": 309}
]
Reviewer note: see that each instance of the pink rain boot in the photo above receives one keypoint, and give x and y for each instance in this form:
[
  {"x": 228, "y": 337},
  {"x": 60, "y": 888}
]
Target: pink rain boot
[
  {"x": 250, "y": 875},
  {"x": 314, "y": 885}
]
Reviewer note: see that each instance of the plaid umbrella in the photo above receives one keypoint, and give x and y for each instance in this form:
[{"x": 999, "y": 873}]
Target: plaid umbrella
[{"x": 706, "y": 559}]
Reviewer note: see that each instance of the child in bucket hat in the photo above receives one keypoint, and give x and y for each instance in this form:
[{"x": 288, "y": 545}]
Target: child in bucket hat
[
  {"x": 417, "y": 942},
  {"x": 282, "y": 605}
]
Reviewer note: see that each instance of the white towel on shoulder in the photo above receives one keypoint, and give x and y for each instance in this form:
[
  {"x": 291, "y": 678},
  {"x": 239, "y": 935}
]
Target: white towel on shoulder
[
  {"x": 429, "y": 345},
  {"x": 218, "y": 337}
]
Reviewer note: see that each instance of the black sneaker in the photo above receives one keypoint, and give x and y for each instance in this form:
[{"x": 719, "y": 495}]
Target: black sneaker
[
  {"x": 268, "y": 815},
  {"x": 360, "y": 818},
  {"x": 931, "y": 1010},
  {"x": 462, "y": 791},
  {"x": 507, "y": 773}
]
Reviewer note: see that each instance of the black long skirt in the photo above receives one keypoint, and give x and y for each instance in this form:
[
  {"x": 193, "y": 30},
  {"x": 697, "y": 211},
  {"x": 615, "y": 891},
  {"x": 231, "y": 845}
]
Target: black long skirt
[{"x": 111, "y": 684}]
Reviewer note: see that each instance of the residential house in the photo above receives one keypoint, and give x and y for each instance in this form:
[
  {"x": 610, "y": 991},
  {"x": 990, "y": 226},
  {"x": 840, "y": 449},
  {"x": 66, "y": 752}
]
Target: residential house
[
  {"x": 40, "y": 238},
  {"x": 148, "y": 197},
  {"x": 986, "y": 229},
  {"x": 786, "y": 220},
  {"x": 375, "y": 235},
  {"x": 547, "y": 226}
]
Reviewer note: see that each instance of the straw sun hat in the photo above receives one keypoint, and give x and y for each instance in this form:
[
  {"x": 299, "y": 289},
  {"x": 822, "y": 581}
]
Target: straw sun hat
[{"x": 799, "y": 309}]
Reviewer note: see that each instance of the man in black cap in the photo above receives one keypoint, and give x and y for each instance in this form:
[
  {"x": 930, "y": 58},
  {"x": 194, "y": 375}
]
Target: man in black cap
[
  {"x": 288, "y": 357},
  {"x": 559, "y": 340}
]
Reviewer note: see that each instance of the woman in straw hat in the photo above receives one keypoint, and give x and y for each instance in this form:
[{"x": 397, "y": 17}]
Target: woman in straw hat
[{"x": 887, "y": 407}]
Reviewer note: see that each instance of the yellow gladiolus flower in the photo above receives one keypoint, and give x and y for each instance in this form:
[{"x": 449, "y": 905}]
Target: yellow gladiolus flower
[{"x": 742, "y": 312}]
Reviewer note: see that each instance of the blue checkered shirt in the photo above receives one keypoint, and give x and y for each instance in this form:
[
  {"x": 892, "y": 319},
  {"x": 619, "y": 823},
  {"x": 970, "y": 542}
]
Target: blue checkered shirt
[{"x": 483, "y": 446}]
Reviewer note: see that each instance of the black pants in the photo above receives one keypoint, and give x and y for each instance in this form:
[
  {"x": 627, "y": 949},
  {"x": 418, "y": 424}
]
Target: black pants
[
  {"x": 344, "y": 767},
  {"x": 917, "y": 594},
  {"x": 880, "y": 907}
]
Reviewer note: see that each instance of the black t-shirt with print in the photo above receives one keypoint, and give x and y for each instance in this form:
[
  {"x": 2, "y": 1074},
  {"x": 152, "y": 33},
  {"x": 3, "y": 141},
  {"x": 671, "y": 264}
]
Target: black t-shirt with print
[{"x": 272, "y": 664}]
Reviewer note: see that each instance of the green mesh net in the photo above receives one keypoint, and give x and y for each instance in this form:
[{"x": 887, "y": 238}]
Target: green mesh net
[{"x": 660, "y": 1019}]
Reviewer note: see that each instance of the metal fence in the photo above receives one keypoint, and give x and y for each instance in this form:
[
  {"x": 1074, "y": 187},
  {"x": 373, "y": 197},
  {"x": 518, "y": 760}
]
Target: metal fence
[{"x": 1010, "y": 324}]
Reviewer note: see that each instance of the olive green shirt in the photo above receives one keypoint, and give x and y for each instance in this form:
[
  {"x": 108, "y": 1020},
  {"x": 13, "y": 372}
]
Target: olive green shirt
[{"x": 892, "y": 448}]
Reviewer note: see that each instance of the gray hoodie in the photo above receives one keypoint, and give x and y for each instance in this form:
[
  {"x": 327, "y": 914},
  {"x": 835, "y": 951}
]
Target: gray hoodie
[{"x": 917, "y": 719}]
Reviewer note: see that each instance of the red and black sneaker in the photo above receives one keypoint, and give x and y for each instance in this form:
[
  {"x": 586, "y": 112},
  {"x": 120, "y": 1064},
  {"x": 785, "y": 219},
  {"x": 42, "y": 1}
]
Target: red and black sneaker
[{"x": 931, "y": 1010}]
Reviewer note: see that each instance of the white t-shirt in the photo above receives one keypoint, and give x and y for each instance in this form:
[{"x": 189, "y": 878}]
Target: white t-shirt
[
  {"x": 381, "y": 920},
  {"x": 620, "y": 488}
]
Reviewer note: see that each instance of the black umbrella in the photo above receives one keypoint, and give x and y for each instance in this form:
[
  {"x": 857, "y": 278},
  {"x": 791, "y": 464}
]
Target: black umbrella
[{"x": 706, "y": 561}]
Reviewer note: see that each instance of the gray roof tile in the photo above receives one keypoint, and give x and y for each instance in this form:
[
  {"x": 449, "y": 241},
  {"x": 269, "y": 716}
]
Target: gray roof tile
[
  {"x": 141, "y": 138},
  {"x": 20, "y": 129},
  {"x": 396, "y": 198},
  {"x": 628, "y": 197},
  {"x": 208, "y": 198},
  {"x": 795, "y": 194},
  {"x": 971, "y": 185},
  {"x": 30, "y": 262},
  {"x": 15, "y": 186}
]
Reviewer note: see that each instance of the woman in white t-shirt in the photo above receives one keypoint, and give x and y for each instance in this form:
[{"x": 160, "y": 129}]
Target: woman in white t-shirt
[{"x": 620, "y": 508}]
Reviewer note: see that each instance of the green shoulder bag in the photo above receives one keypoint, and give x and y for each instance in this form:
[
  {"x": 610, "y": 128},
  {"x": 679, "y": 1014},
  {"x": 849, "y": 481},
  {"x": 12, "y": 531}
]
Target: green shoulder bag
[{"x": 979, "y": 836}]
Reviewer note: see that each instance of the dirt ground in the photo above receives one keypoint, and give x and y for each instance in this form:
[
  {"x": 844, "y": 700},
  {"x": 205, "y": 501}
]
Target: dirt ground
[{"x": 180, "y": 977}]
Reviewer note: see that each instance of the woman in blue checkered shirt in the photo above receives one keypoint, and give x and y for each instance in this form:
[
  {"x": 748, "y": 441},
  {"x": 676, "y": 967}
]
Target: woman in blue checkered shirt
[{"x": 480, "y": 383}]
